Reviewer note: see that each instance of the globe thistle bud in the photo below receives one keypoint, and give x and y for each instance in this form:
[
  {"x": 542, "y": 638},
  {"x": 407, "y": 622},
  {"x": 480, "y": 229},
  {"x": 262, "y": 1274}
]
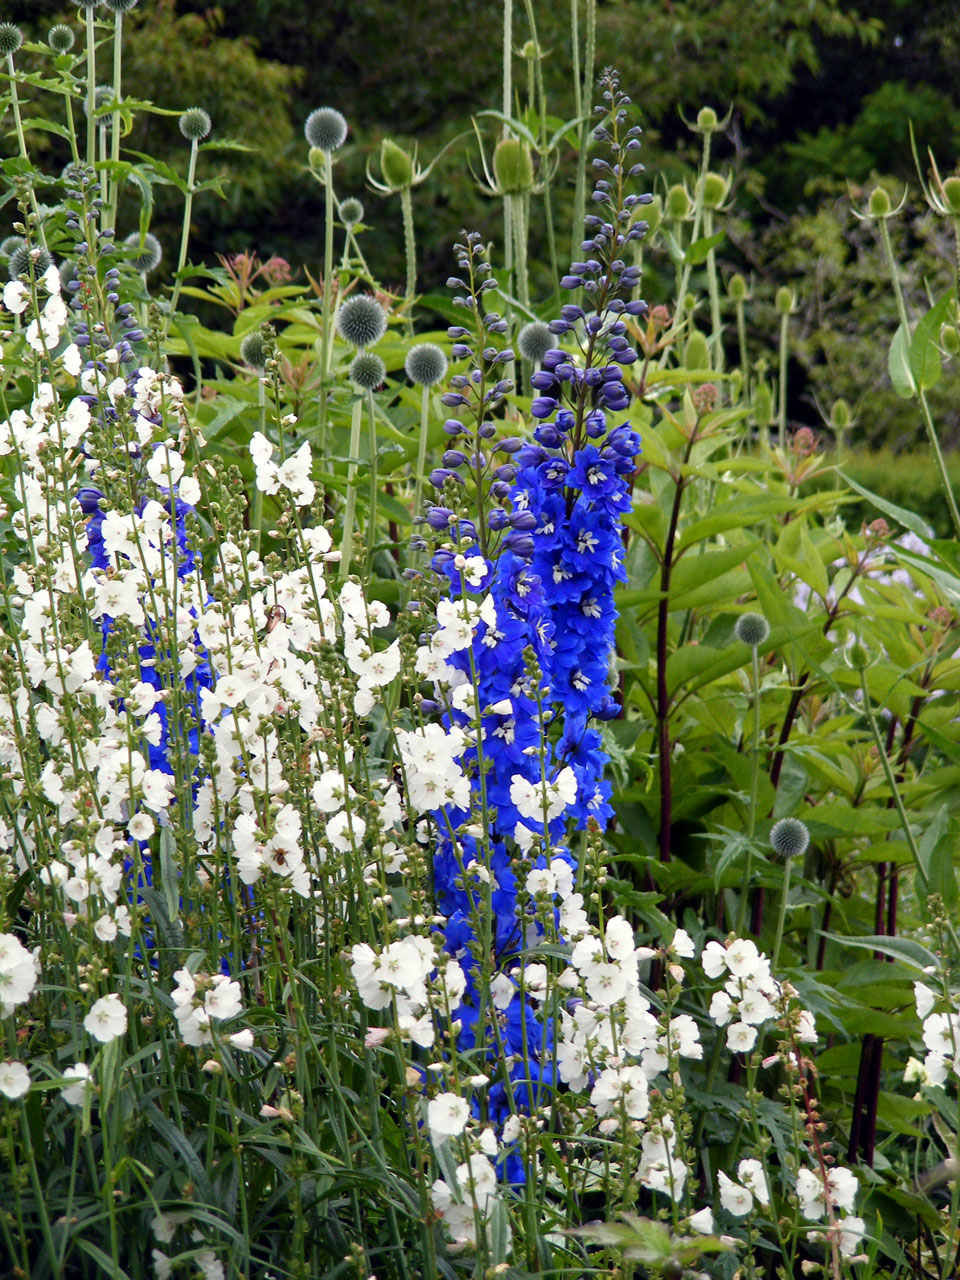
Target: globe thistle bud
[
  {"x": 707, "y": 119},
  {"x": 19, "y": 263},
  {"x": 10, "y": 244},
  {"x": 195, "y": 124},
  {"x": 102, "y": 94},
  {"x": 148, "y": 253},
  {"x": 752, "y": 629},
  {"x": 737, "y": 288},
  {"x": 87, "y": 4},
  {"x": 361, "y": 321},
  {"x": 60, "y": 38},
  {"x": 351, "y": 212},
  {"x": 534, "y": 341},
  {"x": 714, "y": 189},
  {"x": 11, "y": 38},
  {"x": 120, "y": 6},
  {"x": 325, "y": 129},
  {"x": 696, "y": 353},
  {"x": 789, "y": 838},
  {"x": 879, "y": 203},
  {"x": 425, "y": 364},
  {"x": 951, "y": 193},
  {"x": 367, "y": 370},
  {"x": 396, "y": 165},
  {"x": 678, "y": 203},
  {"x": 253, "y": 350},
  {"x": 513, "y": 166},
  {"x": 785, "y": 301}
]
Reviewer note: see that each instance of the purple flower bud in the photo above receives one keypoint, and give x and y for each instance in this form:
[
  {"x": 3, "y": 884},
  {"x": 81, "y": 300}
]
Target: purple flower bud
[
  {"x": 487, "y": 430},
  {"x": 454, "y": 428},
  {"x": 510, "y": 444},
  {"x": 570, "y": 282},
  {"x": 507, "y": 473},
  {"x": 439, "y": 518},
  {"x": 454, "y": 458},
  {"x": 460, "y": 351},
  {"x": 543, "y": 406},
  {"x": 522, "y": 520},
  {"x": 453, "y": 400},
  {"x": 440, "y": 475},
  {"x": 521, "y": 544},
  {"x": 548, "y": 436},
  {"x": 497, "y": 520},
  {"x": 570, "y": 311}
]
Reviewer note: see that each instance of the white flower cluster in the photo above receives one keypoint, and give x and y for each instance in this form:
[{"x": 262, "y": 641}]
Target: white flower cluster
[
  {"x": 199, "y": 998},
  {"x": 470, "y": 1200},
  {"x": 941, "y": 1036},
  {"x": 19, "y": 971},
  {"x": 292, "y": 474},
  {"x": 831, "y": 1190},
  {"x": 414, "y": 979},
  {"x": 43, "y": 332},
  {"x": 750, "y": 996},
  {"x": 738, "y": 1197}
]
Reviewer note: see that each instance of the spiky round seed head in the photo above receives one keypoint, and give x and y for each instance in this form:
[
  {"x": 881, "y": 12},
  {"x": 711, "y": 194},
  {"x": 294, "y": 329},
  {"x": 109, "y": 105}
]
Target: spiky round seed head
[
  {"x": 737, "y": 288},
  {"x": 11, "y": 38},
  {"x": 87, "y": 4},
  {"x": 195, "y": 123},
  {"x": 951, "y": 193},
  {"x": 678, "y": 203},
  {"x": 148, "y": 255},
  {"x": 425, "y": 364},
  {"x": 789, "y": 838},
  {"x": 253, "y": 350},
  {"x": 10, "y": 245},
  {"x": 879, "y": 203},
  {"x": 396, "y": 165},
  {"x": 513, "y": 166},
  {"x": 714, "y": 189},
  {"x": 102, "y": 94},
  {"x": 751, "y": 629},
  {"x": 351, "y": 212},
  {"x": 326, "y": 129},
  {"x": 707, "y": 119},
  {"x": 367, "y": 370},
  {"x": 60, "y": 38},
  {"x": 534, "y": 341},
  {"x": 361, "y": 321},
  {"x": 19, "y": 263},
  {"x": 120, "y": 6}
]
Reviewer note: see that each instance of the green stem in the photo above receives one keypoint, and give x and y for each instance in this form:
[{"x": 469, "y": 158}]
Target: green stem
[
  {"x": 421, "y": 450},
  {"x": 256, "y": 512},
  {"x": 927, "y": 418},
  {"x": 742, "y": 340},
  {"x": 684, "y": 280},
  {"x": 410, "y": 245},
  {"x": 782, "y": 915},
  {"x": 754, "y": 785},
  {"x": 372, "y": 516},
  {"x": 507, "y": 61},
  {"x": 326, "y": 345},
  {"x": 185, "y": 232},
  {"x": 782, "y": 389},
  {"x": 115, "y": 134},
  {"x": 22, "y": 143},
  {"x": 713, "y": 289},
  {"x": 91, "y": 88},
  {"x": 583, "y": 98},
  {"x": 542, "y": 133},
  {"x": 349, "y": 514}
]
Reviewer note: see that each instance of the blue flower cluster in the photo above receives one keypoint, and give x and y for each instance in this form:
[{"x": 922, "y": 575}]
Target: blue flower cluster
[{"x": 543, "y": 671}]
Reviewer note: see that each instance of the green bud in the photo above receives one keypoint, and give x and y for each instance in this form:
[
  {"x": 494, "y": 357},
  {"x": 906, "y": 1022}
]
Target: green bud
[
  {"x": 840, "y": 415},
  {"x": 762, "y": 404},
  {"x": 737, "y": 288},
  {"x": 784, "y": 301},
  {"x": 707, "y": 119},
  {"x": 951, "y": 193},
  {"x": 678, "y": 203},
  {"x": 315, "y": 159},
  {"x": 950, "y": 339},
  {"x": 714, "y": 190},
  {"x": 529, "y": 50},
  {"x": 696, "y": 353},
  {"x": 879, "y": 203},
  {"x": 396, "y": 165},
  {"x": 513, "y": 166},
  {"x": 858, "y": 657}
]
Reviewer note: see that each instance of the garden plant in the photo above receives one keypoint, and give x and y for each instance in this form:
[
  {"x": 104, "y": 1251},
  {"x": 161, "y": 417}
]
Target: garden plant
[{"x": 478, "y": 791}]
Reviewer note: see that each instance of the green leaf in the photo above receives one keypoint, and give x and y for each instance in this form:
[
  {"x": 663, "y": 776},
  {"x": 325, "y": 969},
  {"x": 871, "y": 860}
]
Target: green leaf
[
  {"x": 898, "y": 366},
  {"x": 697, "y": 252},
  {"x": 902, "y": 516},
  {"x": 904, "y": 949},
  {"x": 936, "y": 854},
  {"x": 169, "y": 872},
  {"x": 925, "y": 346}
]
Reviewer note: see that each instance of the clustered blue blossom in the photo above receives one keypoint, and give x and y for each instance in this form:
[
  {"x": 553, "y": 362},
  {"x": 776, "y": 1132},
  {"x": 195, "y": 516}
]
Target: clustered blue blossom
[{"x": 550, "y": 653}]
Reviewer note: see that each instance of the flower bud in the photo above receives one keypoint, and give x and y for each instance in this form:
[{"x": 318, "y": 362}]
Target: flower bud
[
  {"x": 696, "y": 353},
  {"x": 513, "y": 166},
  {"x": 396, "y": 165},
  {"x": 785, "y": 301},
  {"x": 195, "y": 124},
  {"x": 737, "y": 288},
  {"x": 351, "y": 212},
  {"x": 367, "y": 370},
  {"x": 361, "y": 321},
  {"x": 951, "y": 193},
  {"x": 534, "y": 341},
  {"x": 707, "y": 119},
  {"x": 11, "y": 38},
  {"x": 789, "y": 838},
  {"x": 425, "y": 364},
  {"x": 950, "y": 339},
  {"x": 879, "y": 203},
  {"x": 326, "y": 129},
  {"x": 752, "y": 629},
  {"x": 678, "y": 203},
  {"x": 714, "y": 190},
  {"x": 60, "y": 38},
  {"x": 840, "y": 415}
]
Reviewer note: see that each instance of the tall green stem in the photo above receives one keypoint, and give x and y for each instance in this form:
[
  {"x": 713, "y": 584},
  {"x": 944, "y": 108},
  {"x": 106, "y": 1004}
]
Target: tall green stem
[
  {"x": 326, "y": 343},
  {"x": 782, "y": 914},
  {"x": 372, "y": 515},
  {"x": 410, "y": 246},
  {"x": 350, "y": 511},
  {"x": 713, "y": 290},
  {"x": 583, "y": 98},
  {"x": 421, "y": 449},
  {"x": 754, "y": 786},
  {"x": 542, "y": 134},
  {"x": 115, "y": 132},
  {"x": 91, "y": 87},
  {"x": 927, "y": 417},
  {"x": 22, "y": 142},
  {"x": 185, "y": 232},
  {"x": 742, "y": 340},
  {"x": 684, "y": 281},
  {"x": 782, "y": 388}
]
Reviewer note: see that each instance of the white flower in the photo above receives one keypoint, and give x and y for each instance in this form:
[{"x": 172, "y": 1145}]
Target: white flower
[
  {"x": 714, "y": 959},
  {"x": 750, "y": 1173},
  {"x": 702, "y": 1221},
  {"x": 447, "y": 1115},
  {"x": 107, "y": 1019},
  {"x": 16, "y": 297},
  {"x": 14, "y": 1079},
  {"x": 242, "y": 1040},
  {"x": 75, "y": 1093},
  {"x": 741, "y": 1037},
  {"x": 165, "y": 467},
  {"x": 925, "y": 999},
  {"x": 734, "y": 1198},
  {"x": 851, "y": 1233},
  {"x": 682, "y": 945}
]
